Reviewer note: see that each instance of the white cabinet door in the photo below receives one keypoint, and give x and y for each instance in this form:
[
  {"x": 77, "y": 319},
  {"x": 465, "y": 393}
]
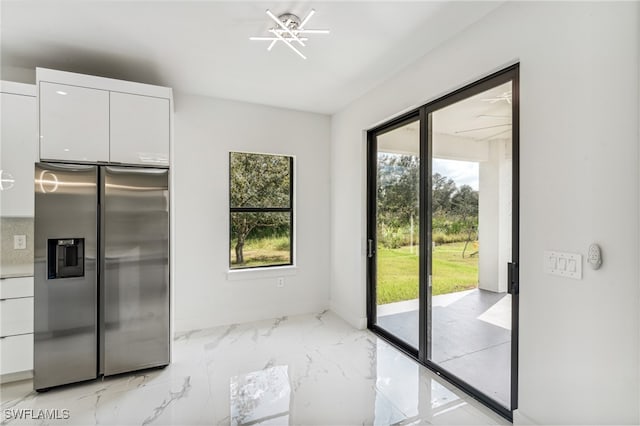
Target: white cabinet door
[
  {"x": 74, "y": 123},
  {"x": 16, "y": 354},
  {"x": 16, "y": 316},
  {"x": 139, "y": 129},
  {"x": 16, "y": 287},
  {"x": 19, "y": 141}
]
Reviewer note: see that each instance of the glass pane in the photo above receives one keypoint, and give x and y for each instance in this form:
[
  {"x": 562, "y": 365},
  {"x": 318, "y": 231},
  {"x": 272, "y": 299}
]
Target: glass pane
[
  {"x": 471, "y": 241},
  {"x": 260, "y": 239},
  {"x": 260, "y": 180},
  {"x": 397, "y": 219}
]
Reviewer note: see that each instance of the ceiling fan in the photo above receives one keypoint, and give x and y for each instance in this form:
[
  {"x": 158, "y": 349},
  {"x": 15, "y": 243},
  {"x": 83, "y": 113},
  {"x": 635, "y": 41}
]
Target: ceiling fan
[
  {"x": 505, "y": 96},
  {"x": 475, "y": 129},
  {"x": 494, "y": 126}
]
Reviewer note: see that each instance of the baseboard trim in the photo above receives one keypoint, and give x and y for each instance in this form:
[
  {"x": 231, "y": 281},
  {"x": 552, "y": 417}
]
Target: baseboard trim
[
  {"x": 521, "y": 419},
  {"x": 358, "y": 322},
  {"x": 16, "y": 377}
]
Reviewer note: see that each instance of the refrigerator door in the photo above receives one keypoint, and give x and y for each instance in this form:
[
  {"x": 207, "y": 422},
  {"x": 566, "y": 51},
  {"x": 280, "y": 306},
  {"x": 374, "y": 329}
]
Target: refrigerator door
[
  {"x": 65, "y": 274},
  {"x": 136, "y": 269}
]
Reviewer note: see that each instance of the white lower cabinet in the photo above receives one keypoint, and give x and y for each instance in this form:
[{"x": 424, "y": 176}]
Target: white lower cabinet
[
  {"x": 16, "y": 326},
  {"x": 11, "y": 288},
  {"x": 16, "y": 353},
  {"x": 16, "y": 316}
]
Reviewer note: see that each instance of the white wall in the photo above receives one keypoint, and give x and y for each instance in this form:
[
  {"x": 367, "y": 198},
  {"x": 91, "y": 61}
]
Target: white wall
[
  {"x": 206, "y": 130},
  {"x": 579, "y": 346}
]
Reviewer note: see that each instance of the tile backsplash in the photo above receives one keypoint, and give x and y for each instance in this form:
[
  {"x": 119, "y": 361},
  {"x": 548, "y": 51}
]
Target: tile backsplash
[{"x": 15, "y": 263}]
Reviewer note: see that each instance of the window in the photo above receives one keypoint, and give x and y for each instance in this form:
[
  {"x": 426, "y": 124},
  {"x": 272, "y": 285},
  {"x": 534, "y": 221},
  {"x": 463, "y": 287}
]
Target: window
[{"x": 261, "y": 210}]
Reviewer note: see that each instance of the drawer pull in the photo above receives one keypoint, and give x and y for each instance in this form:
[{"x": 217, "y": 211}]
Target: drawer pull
[{"x": 14, "y": 335}]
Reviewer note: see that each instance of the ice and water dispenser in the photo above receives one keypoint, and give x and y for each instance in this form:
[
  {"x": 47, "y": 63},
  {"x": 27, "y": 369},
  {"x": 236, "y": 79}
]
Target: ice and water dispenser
[{"x": 65, "y": 257}]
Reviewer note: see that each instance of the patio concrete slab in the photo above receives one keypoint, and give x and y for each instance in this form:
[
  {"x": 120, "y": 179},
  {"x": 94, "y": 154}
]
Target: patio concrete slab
[{"x": 471, "y": 334}]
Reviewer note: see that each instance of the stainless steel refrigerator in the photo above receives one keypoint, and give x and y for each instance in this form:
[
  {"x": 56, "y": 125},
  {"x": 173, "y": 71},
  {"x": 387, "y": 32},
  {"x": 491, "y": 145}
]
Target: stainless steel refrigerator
[{"x": 101, "y": 272}]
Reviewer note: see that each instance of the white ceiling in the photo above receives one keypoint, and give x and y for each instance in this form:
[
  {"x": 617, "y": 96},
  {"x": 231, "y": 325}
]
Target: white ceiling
[{"x": 202, "y": 47}]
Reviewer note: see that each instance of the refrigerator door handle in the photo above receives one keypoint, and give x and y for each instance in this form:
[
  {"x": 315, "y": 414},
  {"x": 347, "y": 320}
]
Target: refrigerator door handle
[{"x": 101, "y": 295}]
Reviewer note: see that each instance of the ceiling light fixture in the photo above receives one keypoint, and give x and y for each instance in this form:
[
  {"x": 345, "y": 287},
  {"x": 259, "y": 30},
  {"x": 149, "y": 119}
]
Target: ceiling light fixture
[{"x": 288, "y": 31}]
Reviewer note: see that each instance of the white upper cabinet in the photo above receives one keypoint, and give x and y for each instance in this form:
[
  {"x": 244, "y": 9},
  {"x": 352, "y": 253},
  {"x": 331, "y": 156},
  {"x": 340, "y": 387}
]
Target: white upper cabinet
[
  {"x": 18, "y": 148},
  {"x": 139, "y": 129},
  {"x": 95, "y": 119},
  {"x": 74, "y": 123}
]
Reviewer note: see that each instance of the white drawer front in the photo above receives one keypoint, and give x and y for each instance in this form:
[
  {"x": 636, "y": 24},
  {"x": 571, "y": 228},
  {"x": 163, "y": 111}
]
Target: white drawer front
[
  {"x": 16, "y": 353},
  {"x": 16, "y": 316},
  {"x": 16, "y": 287}
]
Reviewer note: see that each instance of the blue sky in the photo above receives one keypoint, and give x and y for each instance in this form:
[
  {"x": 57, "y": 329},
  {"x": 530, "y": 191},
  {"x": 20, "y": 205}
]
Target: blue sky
[{"x": 462, "y": 172}]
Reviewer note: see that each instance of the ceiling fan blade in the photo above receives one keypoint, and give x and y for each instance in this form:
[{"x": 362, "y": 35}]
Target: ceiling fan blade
[
  {"x": 493, "y": 116},
  {"x": 482, "y": 128},
  {"x": 497, "y": 134}
]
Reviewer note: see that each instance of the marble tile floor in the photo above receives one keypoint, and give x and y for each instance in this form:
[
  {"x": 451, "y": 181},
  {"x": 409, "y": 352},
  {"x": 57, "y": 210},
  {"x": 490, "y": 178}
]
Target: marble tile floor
[{"x": 303, "y": 370}]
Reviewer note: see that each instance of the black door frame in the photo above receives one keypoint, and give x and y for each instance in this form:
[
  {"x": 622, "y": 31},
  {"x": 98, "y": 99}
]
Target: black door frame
[
  {"x": 423, "y": 114},
  {"x": 372, "y": 175}
]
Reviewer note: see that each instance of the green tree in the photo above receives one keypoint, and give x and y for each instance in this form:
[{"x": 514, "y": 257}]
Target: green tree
[
  {"x": 257, "y": 181},
  {"x": 443, "y": 188},
  {"x": 464, "y": 201},
  {"x": 398, "y": 188}
]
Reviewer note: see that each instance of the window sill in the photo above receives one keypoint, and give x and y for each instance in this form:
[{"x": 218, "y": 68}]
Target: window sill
[{"x": 258, "y": 273}]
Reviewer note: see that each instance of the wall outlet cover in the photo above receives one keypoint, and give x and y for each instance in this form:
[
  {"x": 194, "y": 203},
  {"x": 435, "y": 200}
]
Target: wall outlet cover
[
  {"x": 568, "y": 265},
  {"x": 19, "y": 242}
]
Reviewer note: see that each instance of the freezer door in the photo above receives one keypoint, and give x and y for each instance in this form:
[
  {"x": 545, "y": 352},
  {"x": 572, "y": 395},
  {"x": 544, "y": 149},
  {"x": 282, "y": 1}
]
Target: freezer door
[
  {"x": 65, "y": 274},
  {"x": 136, "y": 269}
]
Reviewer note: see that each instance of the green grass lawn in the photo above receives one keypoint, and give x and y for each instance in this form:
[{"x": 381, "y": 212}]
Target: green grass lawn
[
  {"x": 398, "y": 272},
  {"x": 397, "y": 268},
  {"x": 263, "y": 251}
]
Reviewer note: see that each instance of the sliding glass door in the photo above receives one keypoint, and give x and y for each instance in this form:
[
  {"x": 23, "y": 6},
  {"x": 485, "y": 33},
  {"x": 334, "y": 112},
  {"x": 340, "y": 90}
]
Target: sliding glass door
[
  {"x": 393, "y": 248},
  {"x": 443, "y": 236},
  {"x": 471, "y": 218}
]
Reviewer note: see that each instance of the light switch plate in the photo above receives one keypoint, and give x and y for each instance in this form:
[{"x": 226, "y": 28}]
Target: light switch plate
[
  {"x": 567, "y": 265},
  {"x": 19, "y": 242}
]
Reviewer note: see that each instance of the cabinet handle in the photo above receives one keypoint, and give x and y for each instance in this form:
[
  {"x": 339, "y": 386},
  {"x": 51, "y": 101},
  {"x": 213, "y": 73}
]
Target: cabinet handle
[{"x": 15, "y": 335}]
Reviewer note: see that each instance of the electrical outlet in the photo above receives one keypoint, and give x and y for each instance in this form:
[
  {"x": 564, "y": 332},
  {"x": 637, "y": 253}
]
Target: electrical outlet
[
  {"x": 280, "y": 282},
  {"x": 19, "y": 242}
]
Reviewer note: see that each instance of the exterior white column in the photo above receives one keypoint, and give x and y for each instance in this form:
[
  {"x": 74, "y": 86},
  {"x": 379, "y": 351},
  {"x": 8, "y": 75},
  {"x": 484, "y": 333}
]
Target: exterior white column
[{"x": 494, "y": 217}]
